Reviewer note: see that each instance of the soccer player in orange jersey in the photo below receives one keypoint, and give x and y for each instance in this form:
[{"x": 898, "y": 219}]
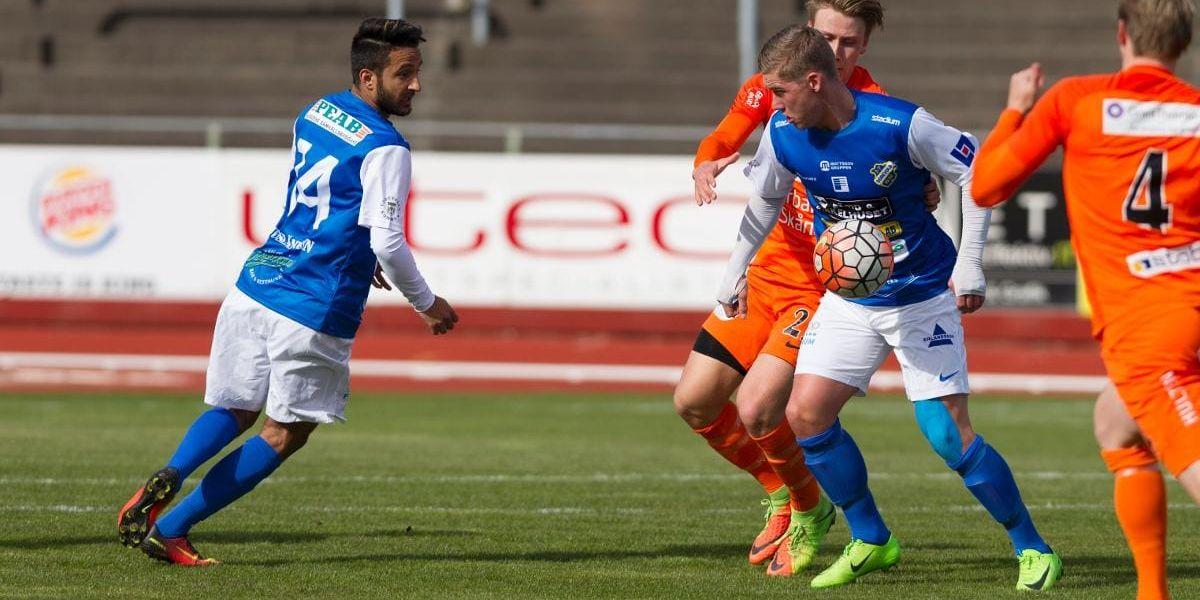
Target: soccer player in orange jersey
[
  {"x": 1131, "y": 175},
  {"x": 759, "y": 350}
]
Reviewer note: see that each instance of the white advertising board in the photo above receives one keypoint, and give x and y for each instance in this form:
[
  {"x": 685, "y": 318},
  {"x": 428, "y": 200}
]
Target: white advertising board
[{"x": 567, "y": 231}]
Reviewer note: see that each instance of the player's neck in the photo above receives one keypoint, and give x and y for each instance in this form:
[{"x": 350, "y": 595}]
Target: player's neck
[
  {"x": 1147, "y": 61},
  {"x": 361, "y": 96},
  {"x": 840, "y": 110}
]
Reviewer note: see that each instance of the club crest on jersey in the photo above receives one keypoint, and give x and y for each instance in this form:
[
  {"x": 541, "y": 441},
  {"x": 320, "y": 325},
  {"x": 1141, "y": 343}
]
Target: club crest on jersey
[
  {"x": 884, "y": 173},
  {"x": 338, "y": 122},
  {"x": 390, "y": 208},
  {"x": 964, "y": 151}
]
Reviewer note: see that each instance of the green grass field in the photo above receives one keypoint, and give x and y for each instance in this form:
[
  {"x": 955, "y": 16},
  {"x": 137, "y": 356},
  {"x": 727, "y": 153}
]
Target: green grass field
[{"x": 555, "y": 496}]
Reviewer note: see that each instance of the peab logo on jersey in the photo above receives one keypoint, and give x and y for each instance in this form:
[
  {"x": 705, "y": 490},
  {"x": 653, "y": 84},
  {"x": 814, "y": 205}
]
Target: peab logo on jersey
[
  {"x": 338, "y": 122},
  {"x": 964, "y": 150},
  {"x": 75, "y": 210},
  {"x": 939, "y": 337}
]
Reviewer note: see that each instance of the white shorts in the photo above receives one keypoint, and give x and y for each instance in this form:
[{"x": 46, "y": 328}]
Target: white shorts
[
  {"x": 262, "y": 359},
  {"x": 847, "y": 342}
]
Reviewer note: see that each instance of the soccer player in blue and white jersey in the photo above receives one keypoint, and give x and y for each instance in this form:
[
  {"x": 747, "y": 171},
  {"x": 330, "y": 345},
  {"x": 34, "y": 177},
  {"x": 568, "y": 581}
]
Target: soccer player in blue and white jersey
[
  {"x": 284, "y": 333},
  {"x": 867, "y": 156}
]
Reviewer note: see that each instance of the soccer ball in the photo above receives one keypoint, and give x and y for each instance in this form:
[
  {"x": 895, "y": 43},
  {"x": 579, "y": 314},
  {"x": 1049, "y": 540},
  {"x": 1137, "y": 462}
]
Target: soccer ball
[{"x": 853, "y": 258}]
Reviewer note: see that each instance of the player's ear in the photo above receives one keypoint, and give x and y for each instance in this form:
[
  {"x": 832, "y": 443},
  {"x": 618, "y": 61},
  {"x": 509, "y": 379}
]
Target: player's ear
[
  {"x": 1122, "y": 33},
  {"x": 814, "y": 81},
  {"x": 366, "y": 80}
]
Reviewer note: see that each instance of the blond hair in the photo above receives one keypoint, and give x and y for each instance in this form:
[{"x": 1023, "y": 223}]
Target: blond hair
[
  {"x": 1158, "y": 28},
  {"x": 796, "y": 50},
  {"x": 869, "y": 11}
]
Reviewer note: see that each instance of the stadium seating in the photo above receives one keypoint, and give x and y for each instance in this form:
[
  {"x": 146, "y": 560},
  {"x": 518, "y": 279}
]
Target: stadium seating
[{"x": 563, "y": 61}]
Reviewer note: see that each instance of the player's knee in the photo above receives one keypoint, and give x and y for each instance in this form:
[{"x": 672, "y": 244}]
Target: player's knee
[
  {"x": 698, "y": 410},
  {"x": 286, "y": 438},
  {"x": 940, "y": 429},
  {"x": 245, "y": 418},
  {"x": 1111, "y": 424},
  {"x": 760, "y": 411},
  {"x": 806, "y": 419}
]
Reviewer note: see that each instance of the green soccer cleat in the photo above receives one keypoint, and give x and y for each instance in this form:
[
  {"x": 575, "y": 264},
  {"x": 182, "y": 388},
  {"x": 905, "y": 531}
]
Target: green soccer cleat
[
  {"x": 803, "y": 538},
  {"x": 858, "y": 559},
  {"x": 1039, "y": 570}
]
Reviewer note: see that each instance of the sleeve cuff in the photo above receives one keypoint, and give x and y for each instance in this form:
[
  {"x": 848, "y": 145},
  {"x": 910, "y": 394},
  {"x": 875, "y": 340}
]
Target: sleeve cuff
[{"x": 423, "y": 301}]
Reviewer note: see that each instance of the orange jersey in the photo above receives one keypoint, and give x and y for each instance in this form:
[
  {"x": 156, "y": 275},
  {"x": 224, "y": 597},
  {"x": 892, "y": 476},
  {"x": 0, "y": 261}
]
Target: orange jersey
[
  {"x": 1131, "y": 175},
  {"x": 788, "y": 249}
]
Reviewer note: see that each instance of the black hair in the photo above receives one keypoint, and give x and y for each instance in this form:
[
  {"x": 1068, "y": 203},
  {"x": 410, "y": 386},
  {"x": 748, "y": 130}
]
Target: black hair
[{"x": 375, "y": 40}]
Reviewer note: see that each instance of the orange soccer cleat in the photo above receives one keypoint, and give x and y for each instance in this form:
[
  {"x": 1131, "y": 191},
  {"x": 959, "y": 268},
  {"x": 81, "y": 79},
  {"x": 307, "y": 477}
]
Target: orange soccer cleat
[
  {"x": 138, "y": 515},
  {"x": 778, "y": 518},
  {"x": 177, "y": 551}
]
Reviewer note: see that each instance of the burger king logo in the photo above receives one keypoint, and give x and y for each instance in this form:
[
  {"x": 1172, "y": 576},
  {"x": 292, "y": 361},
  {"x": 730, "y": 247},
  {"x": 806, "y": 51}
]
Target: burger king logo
[{"x": 75, "y": 210}]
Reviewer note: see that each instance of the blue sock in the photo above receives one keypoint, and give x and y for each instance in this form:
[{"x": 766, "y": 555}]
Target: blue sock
[
  {"x": 836, "y": 462},
  {"x": 989, "y": 479},
  {"x": 231, "y": 478},
  {"x": 209, "y": 433}
]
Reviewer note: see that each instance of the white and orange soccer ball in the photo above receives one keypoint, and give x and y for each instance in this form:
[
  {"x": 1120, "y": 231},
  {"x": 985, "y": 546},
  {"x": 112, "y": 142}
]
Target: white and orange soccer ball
[{"x": 853, "y": 258}]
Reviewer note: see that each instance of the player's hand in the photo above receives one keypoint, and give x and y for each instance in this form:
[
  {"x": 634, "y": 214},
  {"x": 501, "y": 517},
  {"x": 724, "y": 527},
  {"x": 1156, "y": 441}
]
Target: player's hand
[
  {"x": 705, "y": 178},
  {"x": 969, "y": 303},
  {"x": 378, "y": 281},
  {"x": 1023, "y": 87},
  {"x": 737, "y": 309},
  {"x": 440, "y": 317},
  {"x": 933, "y": 196}
]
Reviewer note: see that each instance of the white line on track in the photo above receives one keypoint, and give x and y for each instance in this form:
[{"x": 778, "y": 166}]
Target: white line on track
[
  {"x": 47, "y": 367},
  {"x": 536, "y": 479}
]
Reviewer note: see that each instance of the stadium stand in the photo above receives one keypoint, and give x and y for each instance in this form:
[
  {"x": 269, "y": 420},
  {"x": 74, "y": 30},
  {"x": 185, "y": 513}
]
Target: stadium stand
[{"x": 556, "y": 61}]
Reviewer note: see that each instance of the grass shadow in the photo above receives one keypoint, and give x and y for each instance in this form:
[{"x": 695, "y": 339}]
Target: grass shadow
[{"x": 550, "y": 556}]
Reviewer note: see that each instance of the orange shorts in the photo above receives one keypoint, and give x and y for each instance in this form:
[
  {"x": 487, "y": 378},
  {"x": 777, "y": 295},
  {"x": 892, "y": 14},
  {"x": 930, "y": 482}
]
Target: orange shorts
[
  {"x": 777, "y": 315},
  {"x": 1151, "y": 356}
]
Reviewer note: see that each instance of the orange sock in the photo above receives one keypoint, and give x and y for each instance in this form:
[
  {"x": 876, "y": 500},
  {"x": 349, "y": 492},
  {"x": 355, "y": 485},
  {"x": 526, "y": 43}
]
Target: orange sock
[
  {"x": 1140, "y": 499},
  {"x": 785, "y": 457},
  {"x": 730, "y": 439}
]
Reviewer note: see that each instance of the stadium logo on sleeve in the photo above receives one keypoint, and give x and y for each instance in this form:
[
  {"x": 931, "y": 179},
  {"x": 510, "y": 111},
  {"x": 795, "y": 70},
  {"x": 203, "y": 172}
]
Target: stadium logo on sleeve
[
  {"x": 338, "y": 122},
  {"x": 964, "y": 151},
  {"x": 75, "y": 210}
]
